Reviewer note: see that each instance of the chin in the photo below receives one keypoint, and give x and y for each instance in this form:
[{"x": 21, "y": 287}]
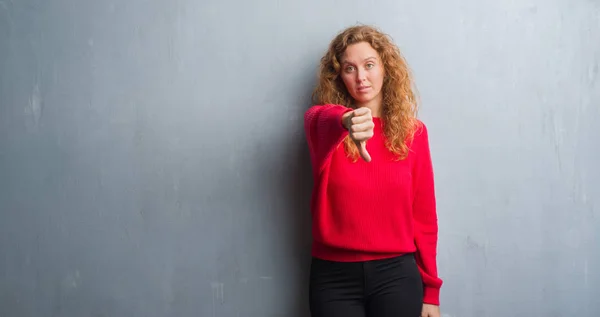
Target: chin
[{"x": 363, "y": 99}]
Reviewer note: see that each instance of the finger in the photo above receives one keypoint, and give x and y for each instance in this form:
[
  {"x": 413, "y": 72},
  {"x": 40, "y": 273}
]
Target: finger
[
  {"x": 356, "y": 118},
  {"x": 362, "y": 111},
  {"x": 364, "y": 153},
  {"x": 362, "y": 136},
  {"x": 362, "y": 127},
  {"x": 347, "y": 119}
]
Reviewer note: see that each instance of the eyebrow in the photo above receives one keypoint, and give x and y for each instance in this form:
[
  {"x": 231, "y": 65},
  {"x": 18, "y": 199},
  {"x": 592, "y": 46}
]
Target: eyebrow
[{"x": 366, "y": 59}]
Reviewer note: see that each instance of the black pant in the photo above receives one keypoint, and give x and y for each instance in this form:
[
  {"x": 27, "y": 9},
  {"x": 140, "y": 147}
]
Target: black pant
[{"x": 380, "y": 288}]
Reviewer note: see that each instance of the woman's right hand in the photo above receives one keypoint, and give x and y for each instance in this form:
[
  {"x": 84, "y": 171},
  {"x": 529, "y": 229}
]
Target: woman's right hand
[{"x": 359, "y": 124}]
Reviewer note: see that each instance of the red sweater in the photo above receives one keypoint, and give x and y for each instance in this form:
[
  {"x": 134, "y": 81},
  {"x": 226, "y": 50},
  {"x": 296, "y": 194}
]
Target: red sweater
[{"x": 365, "y": 211}]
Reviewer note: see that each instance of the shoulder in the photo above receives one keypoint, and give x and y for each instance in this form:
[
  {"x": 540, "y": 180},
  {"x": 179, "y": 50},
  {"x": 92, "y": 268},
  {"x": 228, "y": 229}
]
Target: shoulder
[
  {"x": 420, "y": 137},
  {"x": 420, "y": 130},
  {"x": 328, "y": 109}
]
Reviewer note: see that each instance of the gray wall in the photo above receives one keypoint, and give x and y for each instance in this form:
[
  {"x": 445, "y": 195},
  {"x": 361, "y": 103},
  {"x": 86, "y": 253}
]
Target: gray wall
[{"x": 153, "y": 162}]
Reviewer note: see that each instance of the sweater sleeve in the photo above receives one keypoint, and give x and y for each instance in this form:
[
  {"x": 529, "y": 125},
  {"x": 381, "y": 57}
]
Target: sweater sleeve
[
  {"x": 324, "y": 131},
  {"x": 425, "y": 217}
]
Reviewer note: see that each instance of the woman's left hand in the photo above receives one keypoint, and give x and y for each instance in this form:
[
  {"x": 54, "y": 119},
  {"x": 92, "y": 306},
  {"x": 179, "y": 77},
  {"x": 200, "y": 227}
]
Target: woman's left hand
[{"x": 430, "y": 310}]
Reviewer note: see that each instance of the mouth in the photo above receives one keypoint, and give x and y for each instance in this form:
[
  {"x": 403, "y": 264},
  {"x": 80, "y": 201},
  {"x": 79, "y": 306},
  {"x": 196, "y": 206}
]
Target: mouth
[{"x": 363, "y": 88}]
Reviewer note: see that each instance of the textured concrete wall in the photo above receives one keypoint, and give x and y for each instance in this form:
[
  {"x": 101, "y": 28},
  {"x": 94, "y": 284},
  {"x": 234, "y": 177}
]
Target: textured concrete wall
[{"x": 153, "y": 163}]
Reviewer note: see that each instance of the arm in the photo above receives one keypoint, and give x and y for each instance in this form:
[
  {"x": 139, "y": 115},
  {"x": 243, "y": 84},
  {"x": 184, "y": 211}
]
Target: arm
[
  {"x": 425, "y": 216},
  {"x": 324, "y": 129}
]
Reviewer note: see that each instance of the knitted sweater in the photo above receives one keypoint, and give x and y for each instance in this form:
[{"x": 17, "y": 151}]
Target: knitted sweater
[{"x": 365, "y": 211}]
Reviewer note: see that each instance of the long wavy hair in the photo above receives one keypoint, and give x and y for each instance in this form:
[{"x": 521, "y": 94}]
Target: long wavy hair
[{"x": 399, "y": 106}]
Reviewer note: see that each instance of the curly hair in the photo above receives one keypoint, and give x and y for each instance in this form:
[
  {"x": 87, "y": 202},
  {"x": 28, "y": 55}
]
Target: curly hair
[{"x": 399, "y": 106}]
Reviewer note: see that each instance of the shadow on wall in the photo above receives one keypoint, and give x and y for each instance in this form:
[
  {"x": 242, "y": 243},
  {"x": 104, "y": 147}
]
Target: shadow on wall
[
  {"x": 299, "y": 190},
  {"x": 298, "y": 194}
]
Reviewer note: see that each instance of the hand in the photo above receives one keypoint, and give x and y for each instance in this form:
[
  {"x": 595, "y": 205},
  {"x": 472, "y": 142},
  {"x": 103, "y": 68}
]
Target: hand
[
  {"x": 430, "y": 310},
  {"x": 360, "y": 124}
]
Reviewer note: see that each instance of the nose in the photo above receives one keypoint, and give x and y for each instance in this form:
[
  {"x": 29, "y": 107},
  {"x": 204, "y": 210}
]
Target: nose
[{"x": 361, "y": 76}]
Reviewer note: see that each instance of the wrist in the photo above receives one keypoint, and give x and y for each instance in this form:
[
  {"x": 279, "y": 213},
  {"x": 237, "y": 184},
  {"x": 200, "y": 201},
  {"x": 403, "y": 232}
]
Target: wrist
[{"x": 431, "y": 296}]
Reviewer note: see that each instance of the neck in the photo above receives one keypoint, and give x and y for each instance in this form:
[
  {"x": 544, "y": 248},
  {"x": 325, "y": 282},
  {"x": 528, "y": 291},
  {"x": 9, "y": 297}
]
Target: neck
[{"x": 374, "y": 105}]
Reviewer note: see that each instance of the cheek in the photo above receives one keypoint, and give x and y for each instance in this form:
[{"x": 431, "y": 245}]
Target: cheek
[
  {"x": 379, "y": 76},
  {"x": 347, "y": 81}
]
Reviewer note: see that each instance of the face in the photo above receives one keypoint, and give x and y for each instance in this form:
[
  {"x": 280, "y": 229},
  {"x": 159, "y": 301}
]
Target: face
[{"x": 362, "y": 72}]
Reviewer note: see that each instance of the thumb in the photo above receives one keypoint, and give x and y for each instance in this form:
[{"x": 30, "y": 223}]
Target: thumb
[{"x": 362, "y": 148}]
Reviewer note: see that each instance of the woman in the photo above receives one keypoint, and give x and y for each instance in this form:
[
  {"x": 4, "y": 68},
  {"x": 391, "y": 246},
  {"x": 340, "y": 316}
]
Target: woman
[{"x": 373, "y": 204}]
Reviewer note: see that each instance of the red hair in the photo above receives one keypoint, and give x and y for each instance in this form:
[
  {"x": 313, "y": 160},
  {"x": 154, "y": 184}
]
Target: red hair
[{"x": 399, "y": 106}]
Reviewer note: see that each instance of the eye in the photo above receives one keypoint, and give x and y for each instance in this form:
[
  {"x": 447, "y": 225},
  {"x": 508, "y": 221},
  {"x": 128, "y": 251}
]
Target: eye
[
  {"x": 370, "y": 65},
  {"x": 349, "y": 68}
]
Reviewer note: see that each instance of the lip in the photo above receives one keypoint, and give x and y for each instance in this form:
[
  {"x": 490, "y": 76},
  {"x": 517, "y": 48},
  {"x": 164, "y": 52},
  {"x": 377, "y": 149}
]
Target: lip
[{"x": 363, "y": 88}]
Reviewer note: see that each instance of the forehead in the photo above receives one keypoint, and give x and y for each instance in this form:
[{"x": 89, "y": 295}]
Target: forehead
[{"x": 359, "y": 52}]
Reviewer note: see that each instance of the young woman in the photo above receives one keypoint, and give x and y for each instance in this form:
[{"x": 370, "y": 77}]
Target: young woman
[{"x": 373, "y": 204}]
